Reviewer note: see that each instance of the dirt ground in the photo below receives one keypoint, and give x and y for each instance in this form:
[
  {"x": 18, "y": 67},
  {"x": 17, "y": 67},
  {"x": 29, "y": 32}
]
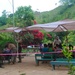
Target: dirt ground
[{"x": 28, "y": 67}]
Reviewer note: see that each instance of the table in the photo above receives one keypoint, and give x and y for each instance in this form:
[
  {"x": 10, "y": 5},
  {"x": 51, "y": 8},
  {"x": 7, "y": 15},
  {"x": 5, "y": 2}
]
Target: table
[{"x": 32, "y": 50}]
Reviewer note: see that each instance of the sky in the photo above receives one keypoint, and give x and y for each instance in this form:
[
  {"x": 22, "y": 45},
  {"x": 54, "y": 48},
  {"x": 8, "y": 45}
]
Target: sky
[{"x": 37, "y": 5}]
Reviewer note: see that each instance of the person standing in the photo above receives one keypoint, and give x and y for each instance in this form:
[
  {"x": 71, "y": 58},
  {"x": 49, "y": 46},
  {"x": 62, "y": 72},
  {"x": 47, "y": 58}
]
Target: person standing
[
  {"x": 1, "y": 60},
  {"x": 57, "y": 41},
  {"x": 13, "y": 49},
  {"x": 19, "y": 50}
]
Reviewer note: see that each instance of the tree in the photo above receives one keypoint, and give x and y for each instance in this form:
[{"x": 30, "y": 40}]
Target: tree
[
  {"x": 3, "y": 18},
  {"x": 24, "y": 16},
  {"x": 9, "y": 19},
  {"x": 67, "y": 2}
]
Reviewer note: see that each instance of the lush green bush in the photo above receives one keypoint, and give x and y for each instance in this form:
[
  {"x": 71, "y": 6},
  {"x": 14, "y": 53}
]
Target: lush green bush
[
  {"x": 27, "y": 38},
  {"x": 68, "y": 55},
  {"x": 4, "y": 38}
]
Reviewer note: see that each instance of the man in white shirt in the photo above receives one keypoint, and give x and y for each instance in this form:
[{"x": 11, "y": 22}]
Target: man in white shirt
[{"x": 56, "y": 41}]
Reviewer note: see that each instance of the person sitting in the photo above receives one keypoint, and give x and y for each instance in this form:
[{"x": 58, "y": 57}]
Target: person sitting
[
  {"x": 7, "y": 51},
  {"x": 45, "y": 48},
  {"x": 58, "y": 47},
  {"x": 51, "y": 49},
  {"x": 50, "y": 46}
]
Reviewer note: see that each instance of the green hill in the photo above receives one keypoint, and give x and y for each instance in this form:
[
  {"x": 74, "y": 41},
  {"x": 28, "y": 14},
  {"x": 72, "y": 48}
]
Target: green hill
[{"x": 59, "y": 13}]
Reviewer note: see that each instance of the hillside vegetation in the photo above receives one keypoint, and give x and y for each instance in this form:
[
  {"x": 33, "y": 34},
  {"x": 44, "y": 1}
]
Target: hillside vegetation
[
  {"x": 25, "y": 16},
  {"x": 59, "y": 13}
]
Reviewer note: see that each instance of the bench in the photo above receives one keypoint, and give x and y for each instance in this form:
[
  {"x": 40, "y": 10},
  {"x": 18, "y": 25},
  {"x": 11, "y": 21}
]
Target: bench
[
  {"x": 40, "y": 57},
  {"x": 61, "y": 62}
]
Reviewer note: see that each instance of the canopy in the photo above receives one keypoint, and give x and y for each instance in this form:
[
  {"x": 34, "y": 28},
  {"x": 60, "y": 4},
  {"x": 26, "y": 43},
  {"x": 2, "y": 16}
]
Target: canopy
[
  {"x": 67, "y": 26},
  {"x": 13, "y": 29},
  {"x": 47, "y": 27},
  {"x": 54, "y": 26}
]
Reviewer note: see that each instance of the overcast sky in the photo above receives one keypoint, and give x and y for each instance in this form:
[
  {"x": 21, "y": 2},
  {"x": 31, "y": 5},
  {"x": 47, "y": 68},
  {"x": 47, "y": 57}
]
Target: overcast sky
[{"x": 37, "y": 5}]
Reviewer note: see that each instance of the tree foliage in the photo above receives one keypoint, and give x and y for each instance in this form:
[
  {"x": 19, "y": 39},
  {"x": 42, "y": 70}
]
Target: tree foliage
[
  {"x": 67, "y": 2},
  {"x": 3, "y": 18},
  {"x": 24, "y": 16},
  {"x": 10, "y": 19},
  {"x": 4, "y": 38}
]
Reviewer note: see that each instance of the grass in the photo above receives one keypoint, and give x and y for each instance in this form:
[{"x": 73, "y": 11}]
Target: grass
[{"x": 23, "y": 74}]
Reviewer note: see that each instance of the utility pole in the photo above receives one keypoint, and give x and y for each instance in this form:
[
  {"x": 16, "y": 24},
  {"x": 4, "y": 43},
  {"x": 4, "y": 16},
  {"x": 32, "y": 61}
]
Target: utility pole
[
  {"x": 13, "y": 12},
  {"x": 14, "y": 23}
]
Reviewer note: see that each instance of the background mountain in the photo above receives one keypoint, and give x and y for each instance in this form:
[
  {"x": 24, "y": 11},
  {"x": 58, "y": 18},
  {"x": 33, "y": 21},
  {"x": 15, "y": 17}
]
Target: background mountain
[
  {"x": 25, "y": 16},
  {"x": 59, "y": 13}
]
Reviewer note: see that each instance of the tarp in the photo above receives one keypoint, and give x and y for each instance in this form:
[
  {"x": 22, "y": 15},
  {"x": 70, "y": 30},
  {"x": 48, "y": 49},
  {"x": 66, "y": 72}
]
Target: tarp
[
  {"x": 12, "y": 29},
  {"x": 68, "y": 26},
  {"x": 52, "y": 26},
  {"x": 47, "y": 27},
  {"x": 58, "y": 26}
]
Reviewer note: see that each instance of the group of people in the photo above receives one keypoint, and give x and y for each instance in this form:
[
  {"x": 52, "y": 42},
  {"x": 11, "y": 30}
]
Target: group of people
[
  {"x": 11, "y": 51},
  {"x": 55, "y": 46},
  {"x": 10, "y": 48}
]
